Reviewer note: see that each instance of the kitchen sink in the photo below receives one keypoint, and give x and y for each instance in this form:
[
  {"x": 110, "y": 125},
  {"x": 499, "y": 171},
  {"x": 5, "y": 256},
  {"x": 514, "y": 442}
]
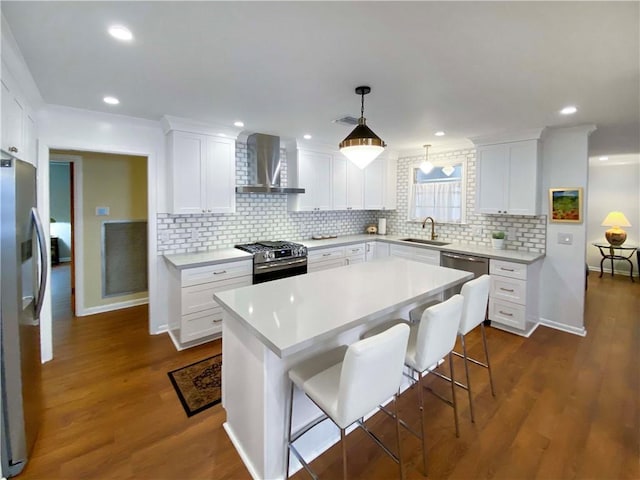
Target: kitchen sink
[{"x": 424, "y": 242}]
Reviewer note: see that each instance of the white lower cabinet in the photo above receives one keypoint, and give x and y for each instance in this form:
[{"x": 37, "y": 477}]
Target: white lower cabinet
[
  {"x": 513, "y": 298},
  {"x": 325, "y": 258},
  {"x": 419, "y": 254},
  {"x": 195, "y": 317},
  {"x": 375, "y": 250},
  {"x": 355, "y": 253}
]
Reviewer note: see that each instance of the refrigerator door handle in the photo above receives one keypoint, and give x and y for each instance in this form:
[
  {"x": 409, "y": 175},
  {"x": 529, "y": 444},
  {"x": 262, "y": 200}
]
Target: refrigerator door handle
[{"x": 44, "y": 261}]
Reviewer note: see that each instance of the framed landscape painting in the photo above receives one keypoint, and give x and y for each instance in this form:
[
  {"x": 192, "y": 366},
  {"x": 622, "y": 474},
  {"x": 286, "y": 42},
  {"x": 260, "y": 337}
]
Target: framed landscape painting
[{"x": 565, "y": 205}]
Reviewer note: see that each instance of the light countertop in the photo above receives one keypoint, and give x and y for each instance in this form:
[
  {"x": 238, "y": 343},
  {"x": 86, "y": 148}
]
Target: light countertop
[
  {"x": 223, "y": 255},
  {"x": 479, "y": 250},
  {"x": 186, "y": 260},
  {"x": 295, "y": 313}
]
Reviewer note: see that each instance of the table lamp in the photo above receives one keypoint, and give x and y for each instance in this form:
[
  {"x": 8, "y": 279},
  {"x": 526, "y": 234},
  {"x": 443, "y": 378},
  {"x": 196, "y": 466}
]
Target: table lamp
[{"x": 615, "y": 235}]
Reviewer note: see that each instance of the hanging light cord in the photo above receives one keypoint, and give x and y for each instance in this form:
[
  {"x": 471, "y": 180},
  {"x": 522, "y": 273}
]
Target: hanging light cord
[{"x": 362, "y": 106}]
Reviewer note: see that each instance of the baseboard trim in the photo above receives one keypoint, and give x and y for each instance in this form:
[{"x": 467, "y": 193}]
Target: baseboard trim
[
  {"x": 580, "y": 331},
  {"x": 607, "y": 271},
  {"x": 112, "y": 306}
]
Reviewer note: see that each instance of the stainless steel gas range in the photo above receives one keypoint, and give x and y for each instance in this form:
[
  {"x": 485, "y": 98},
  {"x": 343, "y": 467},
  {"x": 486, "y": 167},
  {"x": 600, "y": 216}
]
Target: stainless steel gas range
[{"x": 274, "y": 260}]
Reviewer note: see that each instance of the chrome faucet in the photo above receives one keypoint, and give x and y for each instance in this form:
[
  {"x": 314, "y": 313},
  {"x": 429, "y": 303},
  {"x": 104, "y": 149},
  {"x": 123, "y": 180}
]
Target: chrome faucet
[{"x": 433, "y": 227}]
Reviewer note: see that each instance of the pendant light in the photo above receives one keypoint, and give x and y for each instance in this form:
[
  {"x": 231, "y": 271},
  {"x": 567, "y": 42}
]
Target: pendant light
[
  {"x": 426, "y": 166},
  {"x": 448, "y": 170},
  {"x": 362, "y": 146}
]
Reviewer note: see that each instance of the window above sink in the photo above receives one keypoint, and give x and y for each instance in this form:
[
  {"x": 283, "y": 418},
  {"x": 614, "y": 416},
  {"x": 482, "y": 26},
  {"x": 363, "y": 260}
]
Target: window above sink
[{"x": 441, "y": 193}]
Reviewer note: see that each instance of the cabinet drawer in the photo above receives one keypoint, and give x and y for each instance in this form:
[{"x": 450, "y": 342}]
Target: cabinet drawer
[
  {"x": 201, "y": 324},
  {"x": 214, "y": 273},
  {"x": 197, "y": 298},
  {"x": 326, "y": 265},
  {"x": 509, "y": 289},
  {"x": 325, "y": 254},
  {"x": 353, "y": 259},
  {"x": 401, "y": 251},
  {"x": 508, "y": 269},
  {"x": 353, "y": 250},
  {"x": 507, "y": 313}
]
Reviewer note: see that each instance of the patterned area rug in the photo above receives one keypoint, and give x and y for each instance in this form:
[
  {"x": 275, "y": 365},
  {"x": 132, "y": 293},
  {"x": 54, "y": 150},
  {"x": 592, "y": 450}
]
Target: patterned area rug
[{"x": 198, "y": 385}]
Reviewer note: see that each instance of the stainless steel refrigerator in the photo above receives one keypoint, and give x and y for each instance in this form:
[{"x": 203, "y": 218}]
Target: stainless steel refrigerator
[{"x": 24, "y": 266}]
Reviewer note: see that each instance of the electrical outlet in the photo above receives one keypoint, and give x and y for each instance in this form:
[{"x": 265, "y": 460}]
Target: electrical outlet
[
  {"x": 102, "y": 211},
  {"x": 165, "y": 236},
  {"x": 477, "y": 231},
  {"x": 511, "y": 233},
  {"x": 194, "y": 235}
]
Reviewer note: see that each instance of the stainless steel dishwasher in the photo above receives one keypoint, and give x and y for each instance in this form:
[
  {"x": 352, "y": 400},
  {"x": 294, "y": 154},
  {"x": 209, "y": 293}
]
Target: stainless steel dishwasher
[{"x": 469, "y": 263}]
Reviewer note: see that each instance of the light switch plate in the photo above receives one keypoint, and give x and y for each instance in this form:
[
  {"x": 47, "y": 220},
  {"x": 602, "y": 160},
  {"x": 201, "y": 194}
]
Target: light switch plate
[
  {"x": 511, "y": 233},
  {"x": 102, "y": 211},
  {"x": 476, "y": 231},
  {"x": 565, "y": 238}
]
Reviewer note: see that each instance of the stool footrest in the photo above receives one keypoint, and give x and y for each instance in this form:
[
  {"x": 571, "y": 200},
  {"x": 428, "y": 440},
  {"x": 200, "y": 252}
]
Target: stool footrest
[
  {"x": 472, "y": 360},
  {"x": 378, "y": 441}
]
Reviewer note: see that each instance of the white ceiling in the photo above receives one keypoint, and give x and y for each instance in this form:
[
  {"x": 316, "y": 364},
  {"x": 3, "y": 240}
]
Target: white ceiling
[{"x": 289, "y": 68}]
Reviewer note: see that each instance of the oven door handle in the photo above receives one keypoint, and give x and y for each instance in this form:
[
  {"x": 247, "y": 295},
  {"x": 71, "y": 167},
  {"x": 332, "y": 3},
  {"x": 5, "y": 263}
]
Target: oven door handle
[{"x": 281, "y": 265}]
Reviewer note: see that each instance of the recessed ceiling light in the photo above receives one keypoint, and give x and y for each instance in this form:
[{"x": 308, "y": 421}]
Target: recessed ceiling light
[
  {"x": 121, "y": 33},
  {"x": 239, "y": 123},
  {"x": 570, "y": 110},
  {"x": 222, "y": 134},
  {"x": 603, "y": 159},
  {"x": 111, "y": 100},
  {"x": 439, "y": 134},
  {"x": 307, "y": 136}
]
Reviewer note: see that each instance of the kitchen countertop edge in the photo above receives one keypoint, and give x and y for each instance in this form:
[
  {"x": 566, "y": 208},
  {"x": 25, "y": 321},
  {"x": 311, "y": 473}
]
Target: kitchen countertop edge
[{"x": 223, "y": 255}]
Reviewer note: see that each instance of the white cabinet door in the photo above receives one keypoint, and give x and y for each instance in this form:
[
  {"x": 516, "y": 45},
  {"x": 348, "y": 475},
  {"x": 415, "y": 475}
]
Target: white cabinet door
[
  {"x": 30, "y": 139},
  {"x": 347, "y": 185},
  {"x": 12, "y": 118},
  {"x": 202, "y": 173},
  {"x": 380, "y": 184},
  {"x": 523, "y": 189},
  {"x": 376, "y": 250},
  {"x": 355, "y": 187},
  {"x": 418, "y": 254},
  {"x": 220, "y": 184},
  {"x": 339, "y": 165},
  {"x": 492, "y": 178},
  {"x": 314, "y": 175},
  {"x": 188, "y": 176},
  {"x": 508, "y": 178}
]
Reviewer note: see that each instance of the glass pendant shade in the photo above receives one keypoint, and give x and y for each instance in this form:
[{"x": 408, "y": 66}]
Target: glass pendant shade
[
  {"x": 448, "y": 170},
  {"x": 426, "y": 166},
  {"x": 362, "y": 146}
]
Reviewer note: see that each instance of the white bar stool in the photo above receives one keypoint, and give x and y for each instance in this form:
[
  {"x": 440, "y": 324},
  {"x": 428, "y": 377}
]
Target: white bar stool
[
  {"x": 349, "y": 382},
  {"x": 431, "y": 340},
  {"x": 476, "y": 297}
]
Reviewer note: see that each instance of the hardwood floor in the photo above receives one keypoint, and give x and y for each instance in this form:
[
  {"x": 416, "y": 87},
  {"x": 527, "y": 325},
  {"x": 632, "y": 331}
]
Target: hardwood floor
[{"x": 566, "y": 406}]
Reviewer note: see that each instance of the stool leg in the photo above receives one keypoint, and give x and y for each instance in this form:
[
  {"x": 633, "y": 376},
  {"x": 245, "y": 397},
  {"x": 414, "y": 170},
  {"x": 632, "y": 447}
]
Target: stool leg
[
  {"x": 422, "y": 422},
  {"x": 290, "y": 416},
  {"x": 453, "y": 395},
  {"x": 486, "y": 354},
  {"x": 397, "y": 415},
  {"x": 343, "y": 441},
  {"x": 466, "y": 369}
]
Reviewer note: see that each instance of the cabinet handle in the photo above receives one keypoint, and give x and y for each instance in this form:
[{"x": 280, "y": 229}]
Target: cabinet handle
[
  {"x": 505, "y": 313},
  {"x": 347, "y": 261},
  {"x": 13, "y": 149},
  {"x": 326, "y": 254},
  {"x": 217, "y": 321},
  {"x": 506, "y": 289},
  {"x": 507, "y": 269},
  {"x": 220, "y": 273},
  {"x": 349, "y": 208},
  {"x": 355, "y": 250}
]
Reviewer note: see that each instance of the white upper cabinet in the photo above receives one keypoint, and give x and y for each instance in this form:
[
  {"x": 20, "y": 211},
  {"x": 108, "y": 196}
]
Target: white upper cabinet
[
  {"x": 348, "y": 184},
  {"x": 380, "y": 184},
  {"x": 508, "y": 178},
  {"x": 18, "y": 122},
  {"x": 313, "y": 172},
  {"x": 202, "y": 173}
]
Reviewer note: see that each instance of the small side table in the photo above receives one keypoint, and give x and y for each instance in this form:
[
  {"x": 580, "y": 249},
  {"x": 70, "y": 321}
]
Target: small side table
[{"x": 625, "y": 253}]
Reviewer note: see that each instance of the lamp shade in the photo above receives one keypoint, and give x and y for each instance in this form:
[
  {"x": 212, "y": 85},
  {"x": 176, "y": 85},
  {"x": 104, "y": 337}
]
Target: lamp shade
[
  {"x": 615, "y": 235},
  {"x": 362, "y": 146}
]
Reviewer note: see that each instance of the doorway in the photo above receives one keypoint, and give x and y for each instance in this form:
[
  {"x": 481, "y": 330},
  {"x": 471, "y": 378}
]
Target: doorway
[{"x": 102, "y": 190}]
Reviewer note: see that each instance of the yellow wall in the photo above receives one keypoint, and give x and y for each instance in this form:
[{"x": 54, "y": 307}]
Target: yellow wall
[{"x": 120, "y": 183}]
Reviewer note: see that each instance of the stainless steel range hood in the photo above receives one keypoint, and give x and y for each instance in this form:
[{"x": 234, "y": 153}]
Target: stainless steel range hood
[{"x": 263, "y": 153}]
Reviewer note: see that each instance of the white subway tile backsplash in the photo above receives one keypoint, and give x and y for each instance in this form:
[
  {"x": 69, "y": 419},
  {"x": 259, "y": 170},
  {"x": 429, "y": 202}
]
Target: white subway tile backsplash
[{"x": 266, "y": 217}]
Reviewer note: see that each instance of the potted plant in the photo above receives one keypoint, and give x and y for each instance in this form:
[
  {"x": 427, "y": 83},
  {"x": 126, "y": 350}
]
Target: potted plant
[{"x": 497, "y": 240}]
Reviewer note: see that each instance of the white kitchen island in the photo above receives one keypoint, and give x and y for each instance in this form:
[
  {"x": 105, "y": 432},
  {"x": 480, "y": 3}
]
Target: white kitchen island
[{"x": 269, "y": 327}]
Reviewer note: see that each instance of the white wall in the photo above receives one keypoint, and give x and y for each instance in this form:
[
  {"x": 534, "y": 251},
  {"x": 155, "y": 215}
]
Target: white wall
[
  {"x": 562, "y": 282},
  {"x": 613, "y": 185},
  {"x": 73, "y": 129}
]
